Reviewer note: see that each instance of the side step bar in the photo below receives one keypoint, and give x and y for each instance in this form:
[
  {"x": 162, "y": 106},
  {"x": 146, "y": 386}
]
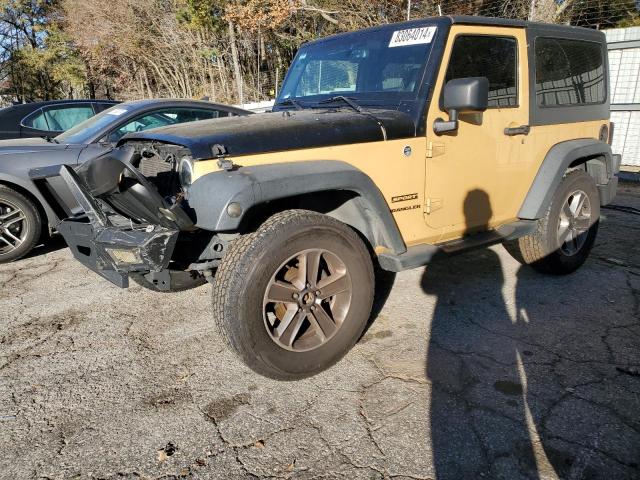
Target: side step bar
[{"x": 423, "y": 254}]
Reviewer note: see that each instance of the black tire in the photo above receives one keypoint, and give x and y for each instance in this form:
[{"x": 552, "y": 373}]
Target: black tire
[
  {"x": 247, "y": 270},
  {"x": 542, "y": 250},
  {"x": 32, "y": 223}
]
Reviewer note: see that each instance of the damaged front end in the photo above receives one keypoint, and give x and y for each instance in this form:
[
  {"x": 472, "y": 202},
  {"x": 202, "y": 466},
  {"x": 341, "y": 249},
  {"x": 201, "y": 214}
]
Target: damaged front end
[{"x": 131, "y": 227}]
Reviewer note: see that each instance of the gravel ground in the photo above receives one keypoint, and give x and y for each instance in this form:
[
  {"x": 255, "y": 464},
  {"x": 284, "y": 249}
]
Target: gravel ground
[{"x": 474, "y": 368}]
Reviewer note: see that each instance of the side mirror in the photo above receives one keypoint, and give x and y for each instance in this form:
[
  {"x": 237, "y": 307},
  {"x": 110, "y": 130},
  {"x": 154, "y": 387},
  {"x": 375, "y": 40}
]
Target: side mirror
[{"x": 462, "y": 95}]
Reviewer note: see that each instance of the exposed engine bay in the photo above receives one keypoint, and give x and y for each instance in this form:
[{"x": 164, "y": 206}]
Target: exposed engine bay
[
  {"x": 159, "y": 163},
  {"x": 136, "y": 221}
]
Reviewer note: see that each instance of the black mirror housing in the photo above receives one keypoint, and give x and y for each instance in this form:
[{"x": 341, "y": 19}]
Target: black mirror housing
[
  {"x": 466, "y": 95},
  {"x": 462, "y": 95}
]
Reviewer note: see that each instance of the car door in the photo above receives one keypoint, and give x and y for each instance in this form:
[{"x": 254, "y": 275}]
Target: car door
[
  {"x": 469, "y": 171},
  {"x": 52, "y": 120}
]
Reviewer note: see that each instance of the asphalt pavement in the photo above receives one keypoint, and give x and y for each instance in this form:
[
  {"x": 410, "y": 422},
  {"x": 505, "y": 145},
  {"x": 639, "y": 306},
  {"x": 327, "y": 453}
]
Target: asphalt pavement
[{"x": 475, "y": 367}]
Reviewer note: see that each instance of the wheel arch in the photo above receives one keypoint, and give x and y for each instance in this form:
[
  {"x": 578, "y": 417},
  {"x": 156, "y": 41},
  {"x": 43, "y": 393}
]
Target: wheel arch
[
  {"x": 334, "y": 188},
  {"x": 46, "y": 214},
  {"x": 593, "y": 155}
]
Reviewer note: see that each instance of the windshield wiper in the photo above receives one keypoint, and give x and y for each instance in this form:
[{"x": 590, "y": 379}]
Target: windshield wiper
[
  {"x": 50, "y": 139},
  {"x": 344, "y": 99},
  {"x": 352, "y": 103},
  {"x": 290, "y": 101}
]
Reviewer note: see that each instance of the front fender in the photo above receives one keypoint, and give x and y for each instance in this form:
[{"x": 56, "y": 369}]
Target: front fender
[
  {"x": 210, "y": 195},
  {"x": 28, "y": 186}
]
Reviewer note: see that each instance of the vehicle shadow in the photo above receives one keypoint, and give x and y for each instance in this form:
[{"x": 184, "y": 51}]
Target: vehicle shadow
[
  {"x": 525, "y": 388},
  {"x": 47, "y": 245}
]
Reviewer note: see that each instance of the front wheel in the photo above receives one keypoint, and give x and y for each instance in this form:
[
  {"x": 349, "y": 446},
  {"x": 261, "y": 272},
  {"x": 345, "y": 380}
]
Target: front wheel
[
  {"x": 565, "y": 236},
  {"x": 20, "y": 225},
  {"x": 292, "y": 298}
]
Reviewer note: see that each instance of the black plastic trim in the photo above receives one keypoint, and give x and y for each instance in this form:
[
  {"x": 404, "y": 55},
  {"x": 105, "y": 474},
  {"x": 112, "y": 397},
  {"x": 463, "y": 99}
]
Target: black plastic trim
[
  {"x": 553, "y": 168},
  {"x": 419, "y": 255},
  {"x": 210, "y": 195}
]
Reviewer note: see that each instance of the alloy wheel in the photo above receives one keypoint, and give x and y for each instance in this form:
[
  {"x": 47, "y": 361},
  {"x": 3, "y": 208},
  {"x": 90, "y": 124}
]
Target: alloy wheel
[
  {"x": 307, "y": 300},
  {"x": 574, "y": 224},
  {"x": 13, "y": 227}
]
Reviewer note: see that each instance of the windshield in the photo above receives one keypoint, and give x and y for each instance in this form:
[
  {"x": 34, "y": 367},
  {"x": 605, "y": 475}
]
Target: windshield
[
  {"x": 372, "y": 65},
  {"x": 85, "y": 131}
]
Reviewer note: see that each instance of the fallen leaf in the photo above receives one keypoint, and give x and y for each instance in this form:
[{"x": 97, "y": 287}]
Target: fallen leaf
[{"x": 162, "y": 455}]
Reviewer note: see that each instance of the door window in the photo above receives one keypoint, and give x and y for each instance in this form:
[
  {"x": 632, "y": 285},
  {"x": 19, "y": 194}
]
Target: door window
[
  {"x": 58, "y": 118},
  {"x": 162, "y": 118},
  {"x": 492, "y": 57}
]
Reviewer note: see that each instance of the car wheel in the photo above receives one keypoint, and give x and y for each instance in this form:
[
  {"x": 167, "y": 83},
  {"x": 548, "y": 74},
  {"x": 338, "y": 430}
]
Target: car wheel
[
  {"x": 293, "y": 297},
  {"x": 565, "y": 236},
  {"x": 20, "y": 225}
]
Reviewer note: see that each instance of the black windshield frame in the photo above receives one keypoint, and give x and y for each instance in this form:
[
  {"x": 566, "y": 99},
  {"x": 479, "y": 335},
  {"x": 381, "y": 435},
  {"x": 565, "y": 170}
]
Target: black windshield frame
[
  {"x": 414, "y": 105},
  {"x": 368, "y": 50}
]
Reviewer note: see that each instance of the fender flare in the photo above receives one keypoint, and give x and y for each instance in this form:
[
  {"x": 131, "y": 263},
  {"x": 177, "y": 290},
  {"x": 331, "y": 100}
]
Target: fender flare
[
  {"x": 559, "y": 158},
  {"x": 210, "y": 195},
  {"x": 9, "y": 180}
]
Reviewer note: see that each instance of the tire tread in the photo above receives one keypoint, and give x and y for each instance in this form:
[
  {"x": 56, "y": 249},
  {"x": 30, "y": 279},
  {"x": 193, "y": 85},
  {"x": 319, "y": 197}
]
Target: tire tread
[{"x": 230, "y": 276}]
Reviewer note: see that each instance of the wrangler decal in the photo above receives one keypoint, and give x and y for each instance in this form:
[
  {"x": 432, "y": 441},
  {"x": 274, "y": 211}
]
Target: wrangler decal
[{"x": 402, "y": 209}]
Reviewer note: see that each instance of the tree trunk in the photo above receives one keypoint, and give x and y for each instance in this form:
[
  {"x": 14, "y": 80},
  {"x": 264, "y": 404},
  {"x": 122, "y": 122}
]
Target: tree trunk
[{"x": 236, "y": 63}]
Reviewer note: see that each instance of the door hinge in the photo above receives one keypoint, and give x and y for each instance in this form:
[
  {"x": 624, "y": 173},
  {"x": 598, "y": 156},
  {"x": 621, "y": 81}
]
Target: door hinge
[
  {"x": 432, "y": 205},
  {"x": 435, "y": 149}
]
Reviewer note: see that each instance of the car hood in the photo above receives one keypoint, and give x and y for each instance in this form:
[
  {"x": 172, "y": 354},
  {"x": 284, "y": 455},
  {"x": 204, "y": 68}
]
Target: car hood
[
  {"x": 28, "y": 145},
  {"x": 279, "y": 131}
]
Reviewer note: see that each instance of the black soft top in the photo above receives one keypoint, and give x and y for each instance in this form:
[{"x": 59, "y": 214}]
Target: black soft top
[{"x": 448, "y": 20}]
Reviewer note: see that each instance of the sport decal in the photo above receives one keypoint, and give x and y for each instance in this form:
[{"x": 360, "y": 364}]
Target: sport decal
[{"x": 404, "y": 198}]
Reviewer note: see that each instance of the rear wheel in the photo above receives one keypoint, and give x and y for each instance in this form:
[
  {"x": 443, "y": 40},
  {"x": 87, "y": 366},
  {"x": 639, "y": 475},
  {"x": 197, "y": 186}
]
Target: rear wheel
[
  {"x": 565, "y": 236},
  {"x": 20, "y": 225},
  {"x": 292, "y": 298}
]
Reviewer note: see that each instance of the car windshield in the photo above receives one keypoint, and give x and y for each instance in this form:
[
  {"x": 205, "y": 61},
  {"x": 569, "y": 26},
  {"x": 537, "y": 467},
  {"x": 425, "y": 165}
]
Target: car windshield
[
  {"x": 85, "y": 131},
  {"x": 377, "y": 65}
]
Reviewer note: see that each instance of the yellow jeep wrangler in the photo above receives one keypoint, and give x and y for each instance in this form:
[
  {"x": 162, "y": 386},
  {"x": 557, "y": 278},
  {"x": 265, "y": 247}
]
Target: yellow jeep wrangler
[{"x": 387, "y": 148}]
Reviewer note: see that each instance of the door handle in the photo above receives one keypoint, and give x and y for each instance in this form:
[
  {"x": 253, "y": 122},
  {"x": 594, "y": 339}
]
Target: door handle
[{"x": 521, "y": 130}]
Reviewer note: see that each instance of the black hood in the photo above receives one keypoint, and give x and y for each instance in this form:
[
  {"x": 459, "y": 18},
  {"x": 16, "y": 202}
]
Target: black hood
[{"x": 279, "y": 131}]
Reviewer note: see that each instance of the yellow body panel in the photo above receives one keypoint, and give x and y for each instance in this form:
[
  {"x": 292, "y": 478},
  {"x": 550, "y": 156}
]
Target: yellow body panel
[
  {"x": 479, "y": 176},
  {"x": 452, "y": 184},
  {"x": 394, "y": 173}
]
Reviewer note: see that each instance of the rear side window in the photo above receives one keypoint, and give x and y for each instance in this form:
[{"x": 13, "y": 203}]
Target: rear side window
[
  {"x": 37, "y": 121},
  {"x": 491, "y": 57},
  {"x": 58, "y": 118},
  {"x": 569, "y": 72}
]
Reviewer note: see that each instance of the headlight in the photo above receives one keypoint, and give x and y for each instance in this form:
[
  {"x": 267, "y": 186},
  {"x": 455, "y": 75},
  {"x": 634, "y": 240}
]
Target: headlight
[
  {"x": 125, "y": 256},
  {"x": 185, "y": 171}
]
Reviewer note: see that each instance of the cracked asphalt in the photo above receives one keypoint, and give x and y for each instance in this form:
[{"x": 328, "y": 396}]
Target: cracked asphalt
[{"x": 474, "y": 368}]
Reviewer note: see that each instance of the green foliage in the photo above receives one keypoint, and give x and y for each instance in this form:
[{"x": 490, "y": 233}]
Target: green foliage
[
  {"x": 39, "y": 56},
  {"x": 632, "y": 20},
  {"x": 205, "y": 14}
]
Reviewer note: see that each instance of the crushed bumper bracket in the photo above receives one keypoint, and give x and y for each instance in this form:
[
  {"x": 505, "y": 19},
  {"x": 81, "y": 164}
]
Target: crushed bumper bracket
[{"x": 113, "y": 251}]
